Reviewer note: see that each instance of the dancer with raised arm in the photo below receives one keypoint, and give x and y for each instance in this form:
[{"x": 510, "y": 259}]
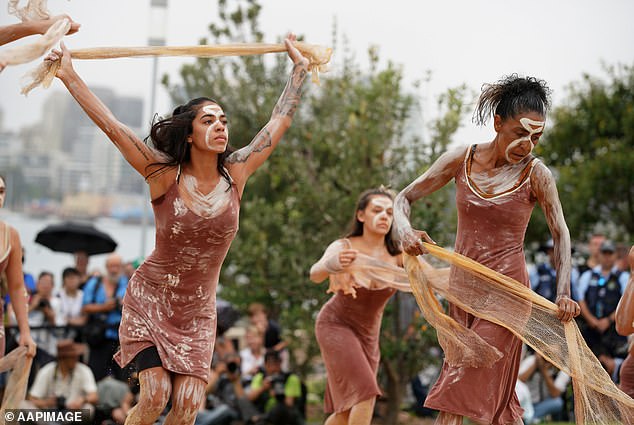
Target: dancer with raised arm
[
  {"x": 196, "y": 183},
  {"x": 497, "y": 185}
]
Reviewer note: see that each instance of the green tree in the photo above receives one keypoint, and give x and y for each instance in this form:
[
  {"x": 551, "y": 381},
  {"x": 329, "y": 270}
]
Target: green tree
[
  {"x": 348, "y": 135},
  {"x": 591, "y": 146}
]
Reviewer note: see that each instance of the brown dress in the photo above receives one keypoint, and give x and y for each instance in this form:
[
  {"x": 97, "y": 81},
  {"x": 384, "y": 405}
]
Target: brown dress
[
  {"x": 347, "y": 330},
  {"x": 170, "y": 301},
  {"x": 5, "y": 250},
  {"x": 490, "y": 231}
]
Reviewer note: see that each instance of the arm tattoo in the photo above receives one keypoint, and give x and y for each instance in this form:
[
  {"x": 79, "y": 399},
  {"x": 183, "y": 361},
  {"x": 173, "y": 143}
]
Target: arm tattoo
[
  {"x": 261, "y": 141},
  {"x": 288, "y": 101},
  {"x": 135, "y": 142}
]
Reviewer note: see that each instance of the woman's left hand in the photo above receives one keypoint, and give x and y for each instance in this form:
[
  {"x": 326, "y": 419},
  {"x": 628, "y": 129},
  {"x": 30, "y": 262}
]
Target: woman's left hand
[
  {"x": 568, "y": 308},
  {"x": 293, "y": 53},
  {"x": 27, "y": 341}
]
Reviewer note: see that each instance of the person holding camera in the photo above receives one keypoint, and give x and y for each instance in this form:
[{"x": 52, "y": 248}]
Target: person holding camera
[
  {"x": 64, "y": 384},
  {"x": 276, "y": 395},
  {"x": 102, "y": 306},
  {"x": 44, "y": 314},
  {"x": 226, "y": 400}
]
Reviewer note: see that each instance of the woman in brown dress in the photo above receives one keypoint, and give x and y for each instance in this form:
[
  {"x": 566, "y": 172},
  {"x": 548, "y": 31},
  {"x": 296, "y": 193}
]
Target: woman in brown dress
[
  {"x": 348, "y": 325},
  {"x": 169, "y": 314},
  {"x": 624, "y": 319},
  {"x": 497, "y": 185},
  {"x": 11, "y": 268}
]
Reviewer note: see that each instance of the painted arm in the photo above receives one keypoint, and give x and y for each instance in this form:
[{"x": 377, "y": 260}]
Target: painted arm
[
  {"x": 17, "y": 291},
  {"x": 245, "y": 161},
  {"x": 545, "y": 190},
  {"x": 336, "y": 257},
  {"x": 625, "y": 310},
  {"x": 133, "y": 149},
  {"x": 14, "y": 32},
  {"x": 436, "y": 176}
]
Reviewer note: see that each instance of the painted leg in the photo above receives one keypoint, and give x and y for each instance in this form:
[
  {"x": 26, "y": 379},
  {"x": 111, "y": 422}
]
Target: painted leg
[
  {"x": 445, "y": 418},
  {"x": 187, "y": 396},
  {"x": 155, "y": 389},
  {"x": 361, "y": 413},
  {"x": 338, "y": 418}
]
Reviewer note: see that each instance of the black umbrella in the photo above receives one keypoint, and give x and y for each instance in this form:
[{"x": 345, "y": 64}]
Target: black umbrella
[{"x": 73, "y": 237}]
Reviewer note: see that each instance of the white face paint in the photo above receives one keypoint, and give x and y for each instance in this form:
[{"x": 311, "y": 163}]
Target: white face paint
[
  {"x": 383, "y": 204},
  {"x": 533, "y": 127},
  {"x": 213, "y": 136}
]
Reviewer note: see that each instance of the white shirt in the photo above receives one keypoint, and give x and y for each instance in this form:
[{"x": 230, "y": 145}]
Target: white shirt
[
  {"x": 70, "y": 307},
  {"x": 249, "y": 361},
  {"x": 50, "y": 383}
]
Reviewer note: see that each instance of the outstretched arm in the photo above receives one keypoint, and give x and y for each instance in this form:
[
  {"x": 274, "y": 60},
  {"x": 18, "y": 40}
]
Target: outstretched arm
[
  {"x": 336, "y": 257},
  {"x": 545, "y": 190},
  {"x": 133, "y": 149},
  {"x": 436, "y": 176},
  {"x": 625, "y": 310},
  {"x": 245, "y": 161},
  {"x": 14, "y": 32}
]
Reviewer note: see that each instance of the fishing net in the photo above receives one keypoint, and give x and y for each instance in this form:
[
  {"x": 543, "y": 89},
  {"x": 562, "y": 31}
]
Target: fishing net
[{"x": 492, "y": 296}]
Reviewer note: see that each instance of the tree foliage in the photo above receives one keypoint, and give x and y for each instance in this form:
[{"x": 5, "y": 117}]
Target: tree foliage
[
  {"x": 348, "y": 135},
  {"x": 591, "y": 146}
]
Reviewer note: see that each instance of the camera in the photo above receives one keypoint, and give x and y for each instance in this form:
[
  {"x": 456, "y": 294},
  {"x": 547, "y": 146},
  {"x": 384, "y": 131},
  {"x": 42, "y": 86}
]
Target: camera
[
  {"x": 232, "y": 367},
  {"x": 278, "y": 383},
  {"x": 61, "y": 402},
  {"x": 43, "y": 304}
]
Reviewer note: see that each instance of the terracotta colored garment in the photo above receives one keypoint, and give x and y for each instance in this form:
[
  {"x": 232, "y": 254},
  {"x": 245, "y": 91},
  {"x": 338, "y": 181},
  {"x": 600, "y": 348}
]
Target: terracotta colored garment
[
  {"x": 170, "y": 301},
  {"x": 490, "y": 231},
  {"x": 347, "y": 330},
  {"x": 5, "y": 250},
  {"x": 627, "y": 375}
]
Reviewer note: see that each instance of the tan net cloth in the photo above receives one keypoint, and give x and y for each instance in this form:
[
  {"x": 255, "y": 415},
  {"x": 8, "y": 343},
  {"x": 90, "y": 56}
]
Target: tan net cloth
[
  {"x": 317, "y": 56},
  {"x": 499, "y": 299},
  {"x": 15, "y": 390}
]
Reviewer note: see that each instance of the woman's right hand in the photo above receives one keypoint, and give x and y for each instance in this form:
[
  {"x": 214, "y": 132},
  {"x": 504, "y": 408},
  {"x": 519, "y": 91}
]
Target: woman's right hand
[
  {"x": 412, "y": 241},
  {"x": 66, "y": 65},
  {"x": 347, "y": 256}
]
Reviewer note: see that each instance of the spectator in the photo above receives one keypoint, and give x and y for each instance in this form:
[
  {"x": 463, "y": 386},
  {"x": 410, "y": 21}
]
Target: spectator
[
  {"x": 115, "y": 401},
  {"x": 29, "y": 280},
  {"x": 64, "y": 384},
  {"x": 600, "y": 290},
  {"x": 622, "y": 257},
  {"x": 259, "y": 317},
  {"x": 547, "y": 386},
  {"x": 226, "y": 399},
  {"x": 276, "y": 395},
  {"x": 81, "y": 264},
  {"x": 129, "y": 269},
  {"x": 543, "y": 278},
  {"x": 102, "y": 300},
  {"x": 44, "y": 312},
  {"x": 594, "y": 245},
  {"x": 71, "y": 299},
  {"x": 252, "y": 357},
  {"x": 625, "y": 326}
]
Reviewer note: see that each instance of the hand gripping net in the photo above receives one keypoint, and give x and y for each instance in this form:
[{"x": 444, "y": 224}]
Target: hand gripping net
[{"x": 497, "y": 298}]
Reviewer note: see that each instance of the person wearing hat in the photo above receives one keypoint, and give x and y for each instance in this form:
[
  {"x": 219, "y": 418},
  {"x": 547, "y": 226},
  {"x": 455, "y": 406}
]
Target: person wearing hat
[
  {"x": 599, "y": 291},
  {"x": 66, "y": 383},
  {"x": 543, "y": 278}
]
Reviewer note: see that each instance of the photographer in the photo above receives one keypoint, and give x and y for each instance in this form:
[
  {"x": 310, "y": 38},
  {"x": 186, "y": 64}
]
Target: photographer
[
  {"x": 276, "y": 395},
  {"x": 44, "y": 312},
  {"x": 226, "y": 400},
  {"x": 64, "y": 384},
  {"x": 102, "y": 303}
]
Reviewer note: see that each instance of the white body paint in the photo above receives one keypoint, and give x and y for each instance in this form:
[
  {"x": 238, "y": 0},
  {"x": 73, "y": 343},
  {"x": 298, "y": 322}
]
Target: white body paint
[
  {"x": 533, "y": 127},
  {"x": 209, "y": 205}
]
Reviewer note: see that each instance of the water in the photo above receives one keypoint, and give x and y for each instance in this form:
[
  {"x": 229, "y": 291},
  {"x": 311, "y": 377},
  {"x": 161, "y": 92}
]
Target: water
[{"x": 39, "y": 258}]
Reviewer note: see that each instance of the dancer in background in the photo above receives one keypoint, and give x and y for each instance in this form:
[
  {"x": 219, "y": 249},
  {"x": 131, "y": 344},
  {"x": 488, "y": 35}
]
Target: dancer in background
[
  {"x": 497, "y": 185},
  {"x": 348, "y": 325},
  {"x": 196, "y": 183},
  {"x": 11, "y": 269}
]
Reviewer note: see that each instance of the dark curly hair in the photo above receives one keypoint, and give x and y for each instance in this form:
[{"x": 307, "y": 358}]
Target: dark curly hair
[
  {"x": 356, "y": 227},
  {"x": 510, "y": 96},
  {"x": 169, "y": 135}
]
